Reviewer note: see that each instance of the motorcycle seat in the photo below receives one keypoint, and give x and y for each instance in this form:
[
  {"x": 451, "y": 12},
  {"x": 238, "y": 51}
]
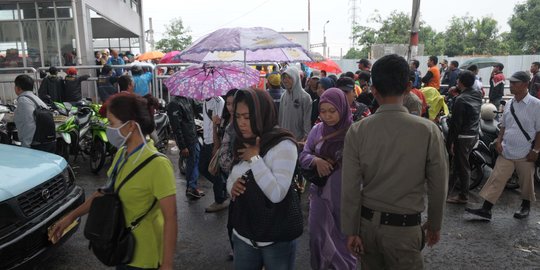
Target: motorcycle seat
[
  {"x": 83, "y": 118},
  {"x": 160, "y": 119},
  {"x": 488, "y": 126}
]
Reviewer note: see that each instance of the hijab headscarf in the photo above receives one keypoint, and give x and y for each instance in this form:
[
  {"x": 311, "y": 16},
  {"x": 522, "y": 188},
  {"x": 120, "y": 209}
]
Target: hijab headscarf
[
  {"x": 263, "y": 120},
  {"x": 334, "y": 145}
]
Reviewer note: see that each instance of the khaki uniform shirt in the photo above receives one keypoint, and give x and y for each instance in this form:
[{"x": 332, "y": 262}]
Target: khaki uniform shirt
[{"x": 390, "y": 160}]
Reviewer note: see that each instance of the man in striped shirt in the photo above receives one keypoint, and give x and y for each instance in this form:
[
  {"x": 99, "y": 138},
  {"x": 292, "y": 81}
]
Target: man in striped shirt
[{"x": 515, "y": 151}]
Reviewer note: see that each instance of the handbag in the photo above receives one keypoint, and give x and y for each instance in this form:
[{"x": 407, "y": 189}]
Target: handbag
[
  {"x": 537, "y": 162},
  {"x": 311, "y": 174},
  {"x": 213, "y": 166},
  {"x": 110, "y": 239}
]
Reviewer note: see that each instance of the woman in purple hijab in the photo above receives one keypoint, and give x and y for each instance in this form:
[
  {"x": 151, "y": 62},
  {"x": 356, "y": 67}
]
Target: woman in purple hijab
[{"x": 323, "y": 152}]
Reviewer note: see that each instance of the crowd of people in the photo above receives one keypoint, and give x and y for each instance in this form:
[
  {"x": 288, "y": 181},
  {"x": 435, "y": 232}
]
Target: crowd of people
[{"x": 364, "y": 141}]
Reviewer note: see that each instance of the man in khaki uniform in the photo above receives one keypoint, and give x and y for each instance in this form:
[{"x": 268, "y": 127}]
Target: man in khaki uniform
[{"x": 389, "y": 160}]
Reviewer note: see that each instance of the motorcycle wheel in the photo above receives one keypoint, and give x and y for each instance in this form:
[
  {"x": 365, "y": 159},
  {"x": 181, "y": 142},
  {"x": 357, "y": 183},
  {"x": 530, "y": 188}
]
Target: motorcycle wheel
[
  {"x": 477, "y": 175},
  {"x": 62, "y": 149},
  {"x": 513, "y": 182},
  {"x": 97, "y": 155}
]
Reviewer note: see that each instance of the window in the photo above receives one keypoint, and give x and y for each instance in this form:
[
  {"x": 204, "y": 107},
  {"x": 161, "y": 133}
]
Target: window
[
  {"x": 46, "y": 10},
  {"x": 49, "y": 42},
  {"x": 28, "y": 10},
  {"x": 10, "y": 45},
  {"x": 31, "y": 38},
  {"x": 8, "y": 12},
  {"x": 63, "y": 9},
  {"x": 68, "y": 44}
]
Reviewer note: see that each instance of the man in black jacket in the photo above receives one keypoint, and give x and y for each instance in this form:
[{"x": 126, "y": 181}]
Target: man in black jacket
[
  {"x": 181, "y": 114},
  {"x": 52, "y": 87},
  {"x": 463, "y": 134},
  {"x": 72, "y": 86}
]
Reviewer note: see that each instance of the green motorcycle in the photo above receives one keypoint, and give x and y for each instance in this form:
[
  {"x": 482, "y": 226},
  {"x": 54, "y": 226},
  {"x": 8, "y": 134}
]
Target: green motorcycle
[{"x": 100, "y": 147}]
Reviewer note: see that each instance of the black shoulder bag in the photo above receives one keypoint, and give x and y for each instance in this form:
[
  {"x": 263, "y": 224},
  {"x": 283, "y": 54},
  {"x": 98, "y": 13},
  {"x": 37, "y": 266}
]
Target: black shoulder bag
[
  {"x": 110, "y": 239},
  {"x": 311, "y": 174},
  {"x": 537, "y": 162}
]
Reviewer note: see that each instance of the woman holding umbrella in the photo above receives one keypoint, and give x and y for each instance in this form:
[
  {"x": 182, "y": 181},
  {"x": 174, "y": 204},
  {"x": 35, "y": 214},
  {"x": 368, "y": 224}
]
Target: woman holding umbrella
[{"x": 266, "y": 218}]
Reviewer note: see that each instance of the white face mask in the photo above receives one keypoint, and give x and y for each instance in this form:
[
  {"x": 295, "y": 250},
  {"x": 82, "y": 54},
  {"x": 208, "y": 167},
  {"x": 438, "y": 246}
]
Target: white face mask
[{"x": 115, "y": 137}]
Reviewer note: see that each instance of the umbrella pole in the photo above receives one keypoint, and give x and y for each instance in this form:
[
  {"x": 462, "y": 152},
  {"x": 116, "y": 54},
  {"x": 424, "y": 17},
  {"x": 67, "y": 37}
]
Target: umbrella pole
[{"x": 245, "y": 67}]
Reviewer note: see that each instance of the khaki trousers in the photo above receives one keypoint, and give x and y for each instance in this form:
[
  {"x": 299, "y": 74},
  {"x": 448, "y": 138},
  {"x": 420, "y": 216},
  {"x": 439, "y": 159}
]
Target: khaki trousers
[
  {"x": 390, "y": 247},
  {"x": 504, "y": 168}
]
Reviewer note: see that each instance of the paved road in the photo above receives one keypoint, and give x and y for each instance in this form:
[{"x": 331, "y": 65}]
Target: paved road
[{"x": 503, "y": 243}]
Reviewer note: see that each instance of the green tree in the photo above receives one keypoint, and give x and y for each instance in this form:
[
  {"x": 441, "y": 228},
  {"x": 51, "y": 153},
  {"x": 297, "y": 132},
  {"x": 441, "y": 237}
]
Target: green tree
[
  {"x": 176, "y": 38},
  {"x": 525, "y": 28}
]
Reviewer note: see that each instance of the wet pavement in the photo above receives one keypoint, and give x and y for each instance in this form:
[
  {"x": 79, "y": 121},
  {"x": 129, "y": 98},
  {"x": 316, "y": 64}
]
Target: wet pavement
[{"x": 503, "y": 243}]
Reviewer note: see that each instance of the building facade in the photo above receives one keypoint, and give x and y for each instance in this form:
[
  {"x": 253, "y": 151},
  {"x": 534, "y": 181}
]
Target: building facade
[{"x": 66, "y": 33}]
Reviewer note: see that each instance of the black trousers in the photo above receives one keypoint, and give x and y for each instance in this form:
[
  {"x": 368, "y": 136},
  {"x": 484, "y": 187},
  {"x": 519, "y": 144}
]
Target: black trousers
[
  {"x": 461, "y": 171},
  {"x": 46, "y": 147}
]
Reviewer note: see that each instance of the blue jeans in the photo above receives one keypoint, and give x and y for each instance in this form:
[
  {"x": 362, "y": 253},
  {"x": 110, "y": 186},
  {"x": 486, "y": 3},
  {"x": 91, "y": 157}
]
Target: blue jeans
[
  {"x": 278, "y": 256},
  {"x": 192, "y": 165},
  {"x": 219, "y": 183}
]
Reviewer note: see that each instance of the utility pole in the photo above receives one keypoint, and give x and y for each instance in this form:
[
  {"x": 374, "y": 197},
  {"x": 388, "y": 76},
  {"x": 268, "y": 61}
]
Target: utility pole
[
  {"x": 150, "y": 35},
  {"x": 354, "y": 8},
  {"x": 309, "y": 15},
  {"x": 324, "y": 39},
  {"x": 412, "y": 53}
]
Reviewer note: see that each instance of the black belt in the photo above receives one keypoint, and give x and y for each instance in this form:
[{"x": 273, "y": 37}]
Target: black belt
[{"x": 393, "y": 219}]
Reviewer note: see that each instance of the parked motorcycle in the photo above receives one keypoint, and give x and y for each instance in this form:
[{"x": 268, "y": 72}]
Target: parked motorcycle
[
  {"x": 8, "y": 133},
  {"x": 163, "y": 128},
  {"x": 100, "y": 147},
  {"x": 477, "y": 171},
  {"x": 72, "y": 128}
]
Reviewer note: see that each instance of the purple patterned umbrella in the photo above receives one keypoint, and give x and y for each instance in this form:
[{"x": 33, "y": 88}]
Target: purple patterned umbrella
[
  {"x": 247, "y": 45},
  {"x": 210, "y": 80}
]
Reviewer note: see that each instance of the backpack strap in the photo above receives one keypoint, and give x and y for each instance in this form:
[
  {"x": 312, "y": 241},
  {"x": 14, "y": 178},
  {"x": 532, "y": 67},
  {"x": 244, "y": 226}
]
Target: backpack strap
[
  {"x": 136, "y": 222},
  {"x": 136, "y": 170},
  {"x": 519, "y": 123},
  {"x": 35, "y": 102}
]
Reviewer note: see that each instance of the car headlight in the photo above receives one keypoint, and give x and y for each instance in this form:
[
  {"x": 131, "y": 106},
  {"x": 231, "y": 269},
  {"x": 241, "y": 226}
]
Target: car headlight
[
  {"x": 7, "y": 215},
  {"x": 68, "y": 175}
]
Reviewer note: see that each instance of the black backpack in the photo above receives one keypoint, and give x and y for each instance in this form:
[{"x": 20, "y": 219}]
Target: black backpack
[
  {"x": 45, "y": 127},
  {"x": 111, "y": 240}
]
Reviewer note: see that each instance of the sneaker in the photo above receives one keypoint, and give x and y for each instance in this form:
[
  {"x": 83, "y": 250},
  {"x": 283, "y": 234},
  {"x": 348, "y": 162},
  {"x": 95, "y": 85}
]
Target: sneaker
[
  {"x": 481, "y": 212},
  {"x": 194, "y": 193},
  {"x": 457, "y": 199},
  {"x": 216, "y": 207}
]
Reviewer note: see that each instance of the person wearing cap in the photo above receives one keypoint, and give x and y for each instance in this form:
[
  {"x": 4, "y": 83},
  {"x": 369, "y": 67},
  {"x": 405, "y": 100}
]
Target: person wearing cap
[
  {"x": 516, "y": 151},
  {"x": 358, "y": 109},
  {"x": 275, "y": 90},
  {"x": 433, "y": 75},
  {"x": 52, "y": 87},
  {"x": 364, "y": 65},
  {"x": 496, "y": 85},
  {"x": 534, "y": 85},
  {"x": 463, "y": 135},
  {"x": 392, "y": 162},
  {"x": 72, "y": 86}
]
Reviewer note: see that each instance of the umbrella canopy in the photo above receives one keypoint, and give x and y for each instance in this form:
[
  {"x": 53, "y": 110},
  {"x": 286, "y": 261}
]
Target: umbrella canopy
[
  {"x": 204, "y": 81},
  {"x": 328, "y": 65},
  {"x": 247, "y": 45},
  {"x": 317, "y": 57},
  {"x": 168, "y": 57},
  {"x": 150, "y": 56},
  {"x": 479, "y": 62}
]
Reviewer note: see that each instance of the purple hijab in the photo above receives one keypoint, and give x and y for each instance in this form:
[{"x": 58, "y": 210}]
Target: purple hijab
[{"x": 334, "y": 145}]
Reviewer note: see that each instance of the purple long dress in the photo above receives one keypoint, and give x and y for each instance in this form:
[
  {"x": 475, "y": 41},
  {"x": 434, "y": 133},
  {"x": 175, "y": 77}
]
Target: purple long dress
[{"x": 327, "y": 244}]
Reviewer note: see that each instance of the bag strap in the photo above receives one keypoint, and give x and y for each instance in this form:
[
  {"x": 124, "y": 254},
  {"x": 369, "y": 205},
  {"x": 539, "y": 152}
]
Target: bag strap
[
  {"x": 517, "y": 121},
  {"x": 136, "y": 170},
  {"x": 35, "y": 102},
  {"x": 330, "y": 136},
  {"x": 136, "y": 222}
]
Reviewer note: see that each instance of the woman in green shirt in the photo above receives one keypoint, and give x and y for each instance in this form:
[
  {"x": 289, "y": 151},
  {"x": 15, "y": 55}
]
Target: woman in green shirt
[{"x": 130, "y": 122}]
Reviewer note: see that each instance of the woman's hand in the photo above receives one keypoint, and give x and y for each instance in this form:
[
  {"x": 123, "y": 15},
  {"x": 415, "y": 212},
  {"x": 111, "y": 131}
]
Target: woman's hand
[
  {"x": 239, "y": 187},
  {"x": 58, "y": 228},
  {"x": 216, "y": 120},
  {"x": 250, "y": 150},
  {"x": 324, "y": 168}
]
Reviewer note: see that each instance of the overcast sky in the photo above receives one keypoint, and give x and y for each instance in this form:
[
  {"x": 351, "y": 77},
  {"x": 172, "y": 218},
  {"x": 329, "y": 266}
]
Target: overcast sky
[{"x": 205, "y": 16}]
